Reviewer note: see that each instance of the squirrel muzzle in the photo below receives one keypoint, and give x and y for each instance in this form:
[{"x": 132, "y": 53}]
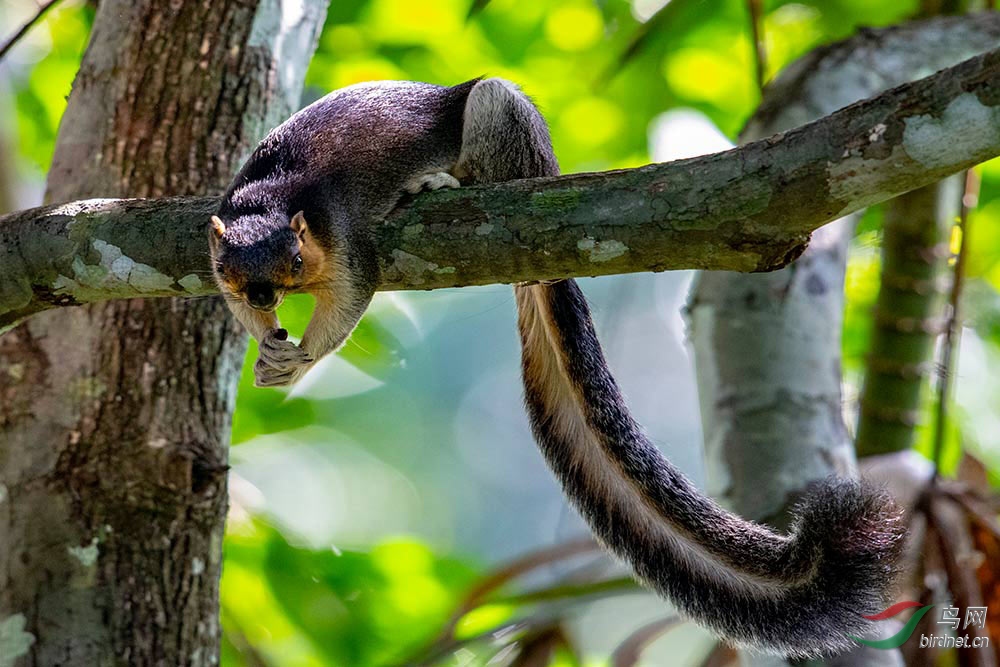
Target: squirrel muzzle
[{"x": 262, "y": 296}]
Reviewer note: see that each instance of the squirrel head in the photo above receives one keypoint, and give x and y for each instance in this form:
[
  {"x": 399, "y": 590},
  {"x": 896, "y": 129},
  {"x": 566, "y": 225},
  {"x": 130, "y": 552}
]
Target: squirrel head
[{"x": 258, "y": 261}]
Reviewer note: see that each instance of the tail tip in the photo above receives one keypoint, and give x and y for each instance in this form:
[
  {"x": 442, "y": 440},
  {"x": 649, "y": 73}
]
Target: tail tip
[{"x": 861, "y": 531}]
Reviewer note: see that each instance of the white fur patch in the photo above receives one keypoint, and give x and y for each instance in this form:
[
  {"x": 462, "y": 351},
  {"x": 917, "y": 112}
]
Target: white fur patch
[{"x": 434, "y": 181}]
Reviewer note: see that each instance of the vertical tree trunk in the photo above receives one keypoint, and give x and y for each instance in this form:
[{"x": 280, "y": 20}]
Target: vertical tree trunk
[
  {"x": 779, "y": 394},
  {"x": 114, "y": 418},
  {"x": 908, "y": 315},
  {"x": 767, "y": 347}
]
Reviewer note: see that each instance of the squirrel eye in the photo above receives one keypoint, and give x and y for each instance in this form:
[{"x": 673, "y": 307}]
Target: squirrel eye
[{"x": 297, "y": 263}]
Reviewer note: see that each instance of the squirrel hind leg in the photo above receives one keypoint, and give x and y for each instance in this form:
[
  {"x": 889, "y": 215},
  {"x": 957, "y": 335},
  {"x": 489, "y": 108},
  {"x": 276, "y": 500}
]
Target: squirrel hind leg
[
  {"x": 504, "y": 137},
  {"x": 432, "y": 181}
]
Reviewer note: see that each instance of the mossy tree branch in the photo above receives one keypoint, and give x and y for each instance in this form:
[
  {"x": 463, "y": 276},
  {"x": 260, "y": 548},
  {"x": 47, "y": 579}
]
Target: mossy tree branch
[{"x": 747, "y": 209}]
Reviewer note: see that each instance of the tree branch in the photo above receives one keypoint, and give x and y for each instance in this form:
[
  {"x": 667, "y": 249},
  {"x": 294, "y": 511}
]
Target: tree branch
[
  {"x": 747, "y": 209},
  {"x": 23, "y": 30}
]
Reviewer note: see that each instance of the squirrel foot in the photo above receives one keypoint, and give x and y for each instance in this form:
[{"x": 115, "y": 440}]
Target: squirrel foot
[{"x": 435, "y": 181}]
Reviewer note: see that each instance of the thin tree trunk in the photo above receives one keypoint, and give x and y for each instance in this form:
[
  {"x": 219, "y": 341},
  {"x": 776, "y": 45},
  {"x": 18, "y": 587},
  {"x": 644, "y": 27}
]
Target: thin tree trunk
[
  {"x": 908, "y": 315},
  {"x": 114, "y": 418},
  {"x": 767, "y": 347}
]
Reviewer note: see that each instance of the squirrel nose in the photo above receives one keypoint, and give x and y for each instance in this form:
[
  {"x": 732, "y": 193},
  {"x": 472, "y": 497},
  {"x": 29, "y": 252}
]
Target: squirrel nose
[{"x": 261, "y": 296}]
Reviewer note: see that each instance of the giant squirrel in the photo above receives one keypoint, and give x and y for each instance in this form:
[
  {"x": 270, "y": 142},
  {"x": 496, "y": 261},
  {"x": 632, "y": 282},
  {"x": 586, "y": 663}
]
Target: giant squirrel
[{"x": 299, "y": 218}]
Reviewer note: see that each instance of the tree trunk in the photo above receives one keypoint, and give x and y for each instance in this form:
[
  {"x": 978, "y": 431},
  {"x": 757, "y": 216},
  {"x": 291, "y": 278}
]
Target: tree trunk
[
  {"x": 908, "y": 315},
  {"x": 767, "y": 347},
  {"x": 115, "y": 417}
]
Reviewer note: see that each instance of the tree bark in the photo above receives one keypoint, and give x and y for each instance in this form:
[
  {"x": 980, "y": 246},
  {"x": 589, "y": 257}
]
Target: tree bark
[
  {"x": 767, "y": 347},
  {"x": 750, "y": 209},
  {"x": 115, "y": 418}
]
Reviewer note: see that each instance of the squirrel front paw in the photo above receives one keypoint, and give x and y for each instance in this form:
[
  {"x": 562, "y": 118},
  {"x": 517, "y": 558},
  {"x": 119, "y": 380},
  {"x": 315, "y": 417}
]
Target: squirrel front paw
[
  {"x": 280, "y": 361},
  {"x": 435, "y": 181},
  {"x": 267, "y": 376}
]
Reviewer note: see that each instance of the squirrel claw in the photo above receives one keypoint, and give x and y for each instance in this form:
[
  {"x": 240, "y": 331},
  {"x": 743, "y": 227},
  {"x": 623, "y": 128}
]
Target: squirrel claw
[
  {"x": 280, "y": 361},
  {"x": 269, "y": 376},
  {"x": 282, "y": 354}
]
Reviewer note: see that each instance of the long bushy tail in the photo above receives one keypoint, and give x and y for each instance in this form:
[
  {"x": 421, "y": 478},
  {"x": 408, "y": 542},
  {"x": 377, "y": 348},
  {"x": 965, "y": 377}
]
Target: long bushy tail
[{"x": 801, "y": 594}]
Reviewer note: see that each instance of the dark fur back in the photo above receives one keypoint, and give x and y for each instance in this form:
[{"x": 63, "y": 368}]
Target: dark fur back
[
  {"x": 348, "y": 154},
  {"x": 343, "y": 161}
]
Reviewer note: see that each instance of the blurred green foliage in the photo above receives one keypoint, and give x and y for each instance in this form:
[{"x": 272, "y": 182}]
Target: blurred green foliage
[
  {"x": 299, "y": 606},
  {"x": 601, "y": 71}
]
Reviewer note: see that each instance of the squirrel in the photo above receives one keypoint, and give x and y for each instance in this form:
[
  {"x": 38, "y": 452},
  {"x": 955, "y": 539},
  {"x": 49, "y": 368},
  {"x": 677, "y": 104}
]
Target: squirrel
[{"x": 299, "y": 217}]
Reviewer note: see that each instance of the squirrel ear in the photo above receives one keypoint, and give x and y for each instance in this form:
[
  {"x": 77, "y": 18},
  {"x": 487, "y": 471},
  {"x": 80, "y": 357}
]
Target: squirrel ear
[
  {"x": 218, "y": 226},
  {"x": 298, "y": 224}
]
